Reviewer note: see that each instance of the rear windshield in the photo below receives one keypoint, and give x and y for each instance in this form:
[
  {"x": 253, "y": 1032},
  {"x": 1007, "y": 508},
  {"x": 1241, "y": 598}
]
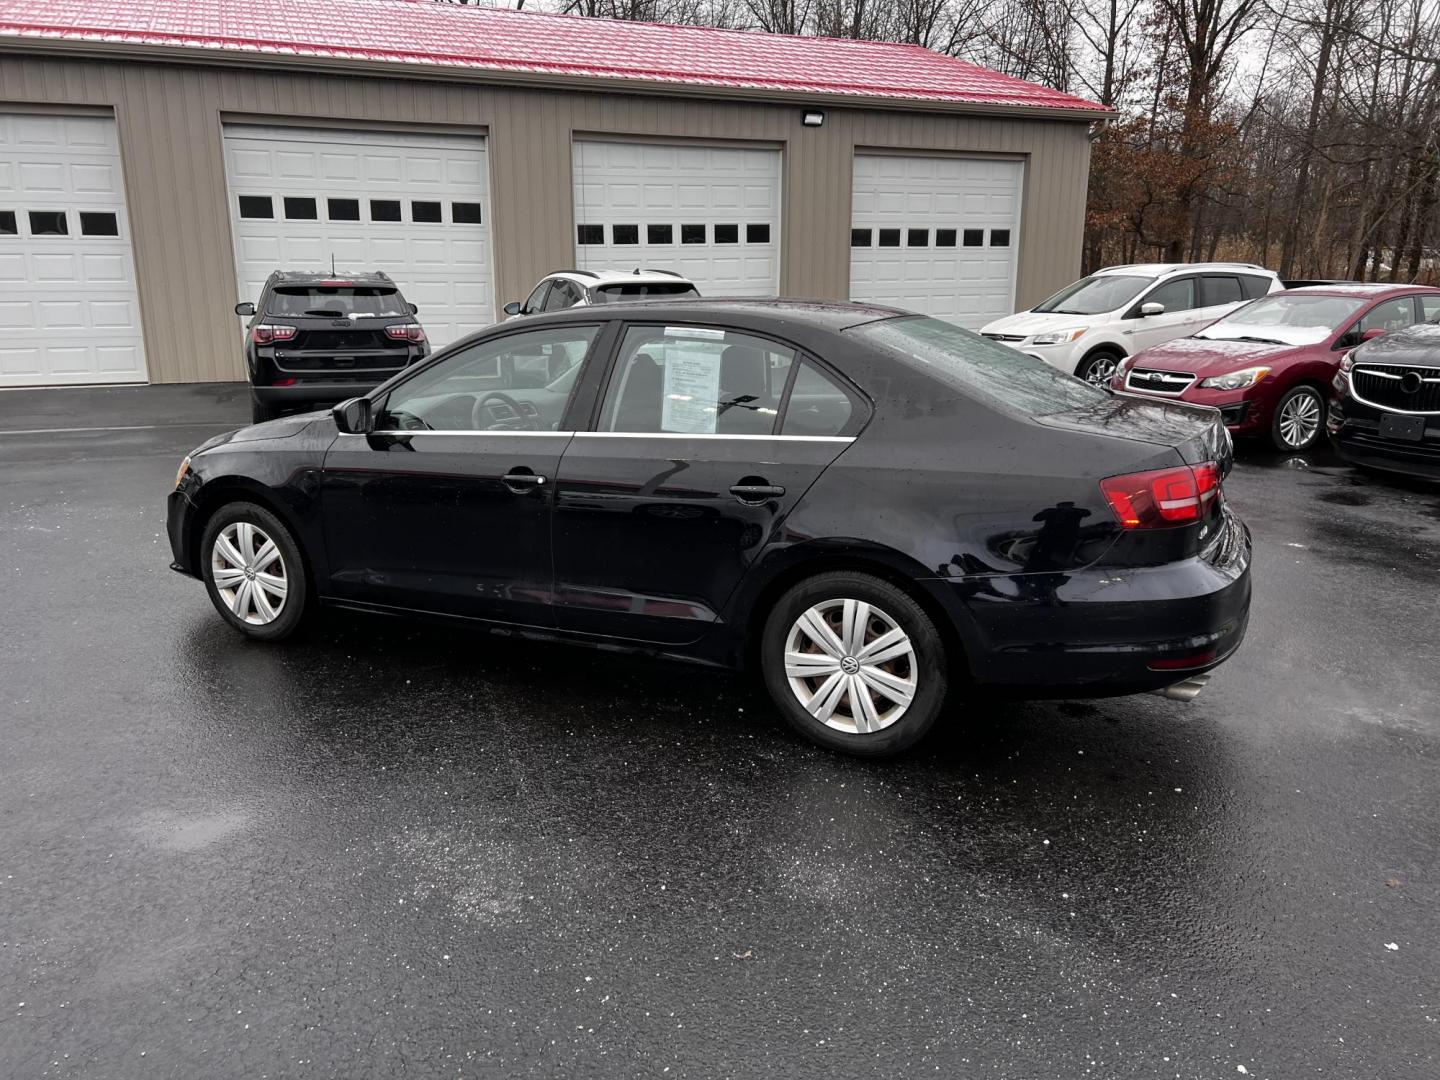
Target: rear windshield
[
  {"x": 337, "y": 301},
  {"x": 650, "y": 290},
  {"x": 1095, "y": 295},
  {"x": 980, "y": 368}
]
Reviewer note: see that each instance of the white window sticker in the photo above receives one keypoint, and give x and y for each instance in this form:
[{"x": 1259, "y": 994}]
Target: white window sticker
[{"x": 692, "y": 387}]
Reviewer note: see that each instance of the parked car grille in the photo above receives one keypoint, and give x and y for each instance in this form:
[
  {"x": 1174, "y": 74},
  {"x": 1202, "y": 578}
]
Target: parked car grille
[
  {"x": 1155, "y": 381},
  {"x": 1399, "y": 389},
  {"x": 1004, "y": 337}
]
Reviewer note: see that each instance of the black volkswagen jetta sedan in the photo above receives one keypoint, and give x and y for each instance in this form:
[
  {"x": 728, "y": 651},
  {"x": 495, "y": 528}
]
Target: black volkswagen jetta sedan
[
  {"x": 872, "y": 508},
  {"x": 1386, "y": 413}
]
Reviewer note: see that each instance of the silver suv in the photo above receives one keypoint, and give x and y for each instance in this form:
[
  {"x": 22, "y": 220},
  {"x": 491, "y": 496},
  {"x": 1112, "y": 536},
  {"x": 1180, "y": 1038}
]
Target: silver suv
[{"x": 575, "y": 288}]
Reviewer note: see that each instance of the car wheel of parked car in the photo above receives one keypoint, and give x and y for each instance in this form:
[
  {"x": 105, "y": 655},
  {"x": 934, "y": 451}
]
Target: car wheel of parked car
[
  {"x": 260, "y": 413},
  {"x": 1099, "y": 367},
  {"x": 1299, "y": 419},
  {"x": 854, "y": 663},
  {"x": 253, "y": 571}
]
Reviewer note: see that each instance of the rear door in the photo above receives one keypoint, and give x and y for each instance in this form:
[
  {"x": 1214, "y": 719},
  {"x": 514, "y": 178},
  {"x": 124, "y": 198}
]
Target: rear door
[
  {"x": 1220, "y": 294},
  {"x": 446, "y": 506},
  {"x": 339, "y": 330},
  {"x": 691, "y": 467}
]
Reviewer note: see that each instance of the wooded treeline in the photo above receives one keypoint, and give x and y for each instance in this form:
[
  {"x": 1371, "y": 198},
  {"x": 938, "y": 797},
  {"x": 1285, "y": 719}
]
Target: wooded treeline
[{"x": 1300, "y": 134}]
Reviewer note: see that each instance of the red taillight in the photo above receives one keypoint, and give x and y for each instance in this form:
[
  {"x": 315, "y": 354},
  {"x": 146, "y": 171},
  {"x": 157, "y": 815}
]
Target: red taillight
[
  {"x": 406, "y": 332},
  {"x": 1163, "y": 498},
  {"x": 264, "y": 334},
  {"x": 1180, "y": 663},
  {"x": 284, "y": 382}
]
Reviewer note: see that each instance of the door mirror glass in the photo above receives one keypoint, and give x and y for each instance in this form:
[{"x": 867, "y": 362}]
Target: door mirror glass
[
  {"x": 353, "y": 417},
  {"x": 1373, "y": 333},
  {"x": 512, "y": 308},
  {"x": 1152, "y": 308},
  {"x": 246, "y": 309}
]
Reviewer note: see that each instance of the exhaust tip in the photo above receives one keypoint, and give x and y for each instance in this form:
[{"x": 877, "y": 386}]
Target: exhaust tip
[{"x": 1185, "y": 690}]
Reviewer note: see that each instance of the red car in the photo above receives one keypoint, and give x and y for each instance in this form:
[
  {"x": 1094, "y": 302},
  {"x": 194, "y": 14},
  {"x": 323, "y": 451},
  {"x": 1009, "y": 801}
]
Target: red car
[{"x": 1267, "y": 366}]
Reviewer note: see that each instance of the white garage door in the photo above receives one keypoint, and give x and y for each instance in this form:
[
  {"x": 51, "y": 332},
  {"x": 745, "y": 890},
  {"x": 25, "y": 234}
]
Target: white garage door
[
  {"x": 68, "y": 309},
  {"x": 936, "y": 235},
  {"x": 414, "y": 206},
  {"x": 709, "y": 213}
]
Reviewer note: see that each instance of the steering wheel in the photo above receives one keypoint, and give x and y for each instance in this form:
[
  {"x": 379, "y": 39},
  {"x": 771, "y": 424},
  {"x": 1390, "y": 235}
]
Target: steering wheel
[{"x": 518, "y": 422}]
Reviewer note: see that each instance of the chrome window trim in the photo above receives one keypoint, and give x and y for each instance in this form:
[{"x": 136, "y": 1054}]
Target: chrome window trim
[
  {"x": 712, "y": 435},
  {"x": 1355, "y": 393},
  {"x": 453, "y": 431}
]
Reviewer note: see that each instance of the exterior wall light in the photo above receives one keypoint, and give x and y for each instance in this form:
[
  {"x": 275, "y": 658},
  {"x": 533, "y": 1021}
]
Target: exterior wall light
[{"x": 812, "y": 119}]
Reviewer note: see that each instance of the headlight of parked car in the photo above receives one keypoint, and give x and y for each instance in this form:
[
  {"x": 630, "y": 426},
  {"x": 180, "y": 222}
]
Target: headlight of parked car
[
  {"x": 1237, "y": 380},
  {"x": 1058, "y": 337},
  {"x": 183, "y": 471}
]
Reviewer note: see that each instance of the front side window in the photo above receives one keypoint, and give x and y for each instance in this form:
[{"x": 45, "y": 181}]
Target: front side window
[
  {"x": 696, "y": 380},
  {"x": 336, "y": 301},
  {"x": 537, "y": 298},
  {"x": 1391, "y": 315},
  {"x": 1092, "y": 295},
  {"x": 980, "y": 368},
  {"x": 563, "y": 294},
  {"x": 520, "y": 382},
  {"x": 1177, "y": 295}
]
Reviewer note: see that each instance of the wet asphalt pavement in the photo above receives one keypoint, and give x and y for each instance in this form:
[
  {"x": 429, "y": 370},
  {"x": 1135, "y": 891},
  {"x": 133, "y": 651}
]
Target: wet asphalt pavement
[{"x": 397, "y": 850}]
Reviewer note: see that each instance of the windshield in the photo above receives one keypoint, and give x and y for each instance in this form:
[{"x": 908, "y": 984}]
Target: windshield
[
  {"x": 647, "y": 290},
  {"x": 336, "y": 301},
  {"x": 979, "y": 367},
  {"x": 1285, "y": 320},
  {"x": 1095, "y": 295}
]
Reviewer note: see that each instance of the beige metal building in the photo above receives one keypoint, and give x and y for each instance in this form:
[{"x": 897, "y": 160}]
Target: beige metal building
[{"x": 158, "y": 160}]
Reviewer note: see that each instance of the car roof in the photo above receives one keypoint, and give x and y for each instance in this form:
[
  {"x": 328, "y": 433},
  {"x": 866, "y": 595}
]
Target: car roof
[
  {"x": 1160, "y": 269},
  {"x": 638, "y": 275},
  {"x": 831, "y": 315},
  {"x": 1365, "y": 290},
  {"x": 305, "y": 277}
]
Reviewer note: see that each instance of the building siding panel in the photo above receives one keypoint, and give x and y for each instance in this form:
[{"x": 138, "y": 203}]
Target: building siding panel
[{"x": 169, "y": 118}]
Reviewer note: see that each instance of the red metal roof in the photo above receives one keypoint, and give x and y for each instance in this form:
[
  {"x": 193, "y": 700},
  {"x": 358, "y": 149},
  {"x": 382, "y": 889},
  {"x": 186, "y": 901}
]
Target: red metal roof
[{"x": 420, "y": 32}]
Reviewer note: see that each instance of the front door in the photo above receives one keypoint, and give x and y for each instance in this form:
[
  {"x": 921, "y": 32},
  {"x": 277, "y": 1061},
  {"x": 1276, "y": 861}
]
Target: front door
[
  {"x": 1180, "y": 298},
  {"x": 691, "y": 470},
  {"x": 446, "y": 505}
]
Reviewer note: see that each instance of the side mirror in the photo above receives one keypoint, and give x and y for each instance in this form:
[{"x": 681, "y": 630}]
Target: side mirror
[
  {"x": 246, "y": 309},
  {"x": 512, "y": 308},
  {"x": 1372, "y": 334},
  {"x": 413, "y": 309},
  {"x": 354, "y": 417},
  {"x": 1152, "y": 308}
]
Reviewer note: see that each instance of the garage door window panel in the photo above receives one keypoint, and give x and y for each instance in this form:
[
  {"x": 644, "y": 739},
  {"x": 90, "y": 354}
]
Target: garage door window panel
[
  {"x": 590, "y": 234},
  {"x": 300, "y": 208},
  {"x": 343, "y": 209},
  {"x": 692, "y": 234},
  {"x": 99, "y": 223},
  {"x": 625, "y": 234},
  {"x": 48, "y": 223},
  {"x": 256, "y": 207},
  {"x": 426, "y": 212},
  {"x": 660, "y": 234},
  {"x": 757, "y": 233},
  {"x": 466, "y": 213},
  {"x": 520, "y": 382},
  {"x": 8, "y": 225},
  {"x": 385, "y": 210},
  {"x": 682, "y": 380}
]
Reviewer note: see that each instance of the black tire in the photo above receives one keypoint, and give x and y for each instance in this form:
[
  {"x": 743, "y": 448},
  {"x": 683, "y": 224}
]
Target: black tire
[
  {"x": 1100, "y": 361},
  {"x": 893, "y": 609},
  {"x": 1301, "y": 402},
  {"x": 296, "y": 599},
  {"x": 260, "y": 413}
]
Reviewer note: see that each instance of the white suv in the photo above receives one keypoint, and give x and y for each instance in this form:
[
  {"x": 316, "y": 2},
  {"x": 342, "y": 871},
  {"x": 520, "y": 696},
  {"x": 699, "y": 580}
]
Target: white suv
[
  {"x": 1087, "y": 328},
  {"x": 574, "y": 288}
]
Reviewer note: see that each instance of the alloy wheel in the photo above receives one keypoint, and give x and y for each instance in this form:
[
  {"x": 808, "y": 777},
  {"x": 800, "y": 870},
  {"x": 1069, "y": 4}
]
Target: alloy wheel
[
  {"x": 249, "y": 573},
  {"x": 851, "y": 666},
  {"x": 1299, "y": 420},
  {"x": 1101, "y": 370}
]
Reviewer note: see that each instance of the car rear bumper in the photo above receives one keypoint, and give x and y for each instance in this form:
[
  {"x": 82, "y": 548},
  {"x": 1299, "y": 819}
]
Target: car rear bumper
[{"x": 1104, "y": 632}]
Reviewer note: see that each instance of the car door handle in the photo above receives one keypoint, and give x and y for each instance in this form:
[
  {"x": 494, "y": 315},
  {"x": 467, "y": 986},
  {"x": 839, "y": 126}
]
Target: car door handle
[
  {"x": 756, "y": 492},
  {"x": 522, "y": 482}
]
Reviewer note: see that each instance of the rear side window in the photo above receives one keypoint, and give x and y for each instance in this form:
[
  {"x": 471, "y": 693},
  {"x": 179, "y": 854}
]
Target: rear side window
[
  {"x": 817, "y": 405},
  {"x": 1254, "y": 286},
  {"x": 1220, "y": 290},
  {"x": 696, "y": 380},
  {"x": 335, "y": 301},
  {"x": 610, "y": 294},
  {"x": 1430, "y": 308},
  {"x": 979, "y": 368}
]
